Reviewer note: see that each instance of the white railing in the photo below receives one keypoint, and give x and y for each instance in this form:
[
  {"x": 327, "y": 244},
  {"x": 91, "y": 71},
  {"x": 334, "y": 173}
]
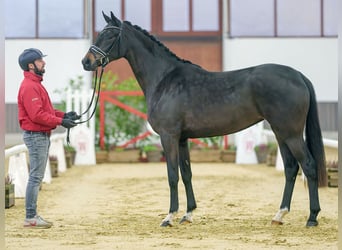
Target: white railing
[{"x": 17, "y": 167}]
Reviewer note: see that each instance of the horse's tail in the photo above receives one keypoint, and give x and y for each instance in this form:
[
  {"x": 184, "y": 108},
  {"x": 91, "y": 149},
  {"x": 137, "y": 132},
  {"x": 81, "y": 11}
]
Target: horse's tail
[{"x": 313, "y": 134}]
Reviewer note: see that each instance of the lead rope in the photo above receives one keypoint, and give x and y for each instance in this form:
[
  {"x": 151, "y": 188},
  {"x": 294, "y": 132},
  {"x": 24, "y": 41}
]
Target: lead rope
[{"x": 98, "y": 87}]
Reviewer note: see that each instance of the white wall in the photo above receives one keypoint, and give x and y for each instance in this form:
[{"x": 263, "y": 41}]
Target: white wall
[
  {"x": 317, "y": 58},
  {"x": 63, "y": 62}
]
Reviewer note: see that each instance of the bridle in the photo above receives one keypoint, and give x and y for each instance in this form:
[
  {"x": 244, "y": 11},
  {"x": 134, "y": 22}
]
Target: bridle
[
  {"x": 102, "y": 60},
  {"x": 103, "y": 57}
]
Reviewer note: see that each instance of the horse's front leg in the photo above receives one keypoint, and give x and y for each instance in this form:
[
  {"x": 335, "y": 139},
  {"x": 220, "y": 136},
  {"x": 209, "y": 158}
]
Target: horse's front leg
[
  {"x": 170, "y": 146},
  {"x": 185, "y": 168}
]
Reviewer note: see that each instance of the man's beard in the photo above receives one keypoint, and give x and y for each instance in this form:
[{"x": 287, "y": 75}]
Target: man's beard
[{"x": 37, "y": 71}]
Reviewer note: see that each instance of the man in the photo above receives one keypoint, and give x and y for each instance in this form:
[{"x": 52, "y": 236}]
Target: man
[{"x": 37, "y": 118}]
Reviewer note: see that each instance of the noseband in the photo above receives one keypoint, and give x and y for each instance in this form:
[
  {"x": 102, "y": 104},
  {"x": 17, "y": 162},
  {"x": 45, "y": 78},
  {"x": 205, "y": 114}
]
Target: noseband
[{"x": 103, "y": 57}]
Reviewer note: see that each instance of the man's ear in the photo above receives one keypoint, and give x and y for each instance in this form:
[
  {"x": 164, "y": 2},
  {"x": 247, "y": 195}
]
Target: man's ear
[{"x": 30, "y": 66}]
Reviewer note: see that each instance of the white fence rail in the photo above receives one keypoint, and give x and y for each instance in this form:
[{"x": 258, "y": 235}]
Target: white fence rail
[
  {"x": 17, "y": 168},
  {"x": 82, "y": 138}
]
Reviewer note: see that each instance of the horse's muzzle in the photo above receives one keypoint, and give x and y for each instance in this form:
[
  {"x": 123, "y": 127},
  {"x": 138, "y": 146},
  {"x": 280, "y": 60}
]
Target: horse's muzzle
[{"x": 88, "y": 65}]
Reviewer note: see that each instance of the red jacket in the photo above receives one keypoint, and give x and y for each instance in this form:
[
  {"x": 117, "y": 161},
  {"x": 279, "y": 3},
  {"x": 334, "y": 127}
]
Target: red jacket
[{"x": 35, "y": 110}]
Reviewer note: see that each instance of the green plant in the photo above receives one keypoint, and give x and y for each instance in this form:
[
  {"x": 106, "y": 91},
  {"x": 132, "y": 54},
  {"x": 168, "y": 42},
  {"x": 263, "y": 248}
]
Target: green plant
[
  {"x": 214, "y": 142},
  {"x": 270, "y": 148},
  {"x": 74, "y": 84},
  {"x": 149, "y": 148},
  {"x": 232, "y": 147},
  {"x": 120, "y": 125},
  {"x": 261, "y": 147},
  {"x": 69, "y": 148}
]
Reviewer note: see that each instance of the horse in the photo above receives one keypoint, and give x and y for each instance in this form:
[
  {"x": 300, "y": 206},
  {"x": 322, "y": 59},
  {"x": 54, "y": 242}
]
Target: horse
[{"x": 185, "y": 101}]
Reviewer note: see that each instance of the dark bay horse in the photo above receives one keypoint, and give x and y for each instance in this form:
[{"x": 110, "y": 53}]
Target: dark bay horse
[{"x": 185, "y": 101}]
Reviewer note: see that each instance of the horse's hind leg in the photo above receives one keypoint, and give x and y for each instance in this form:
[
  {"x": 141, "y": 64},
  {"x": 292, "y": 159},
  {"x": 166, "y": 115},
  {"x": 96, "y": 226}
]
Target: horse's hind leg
[
  {"x": 301, "y": 152},
  {"x": 185, "y": 168},
  {"x": 291, "y": 169}
]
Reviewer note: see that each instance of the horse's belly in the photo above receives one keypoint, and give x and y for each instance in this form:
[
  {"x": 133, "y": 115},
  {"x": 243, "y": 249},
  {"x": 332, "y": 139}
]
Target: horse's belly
[{"x": 217, "y": 123}]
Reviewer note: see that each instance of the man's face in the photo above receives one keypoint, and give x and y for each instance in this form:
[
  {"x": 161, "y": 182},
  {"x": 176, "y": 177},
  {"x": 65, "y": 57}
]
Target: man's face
[{"x": 38, "y": 66}]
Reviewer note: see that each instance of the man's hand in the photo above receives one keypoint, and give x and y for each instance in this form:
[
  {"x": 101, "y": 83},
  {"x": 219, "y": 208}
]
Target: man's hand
[
  {"x": 68, "y": 123},
  {"x": 72, "y": 115}
]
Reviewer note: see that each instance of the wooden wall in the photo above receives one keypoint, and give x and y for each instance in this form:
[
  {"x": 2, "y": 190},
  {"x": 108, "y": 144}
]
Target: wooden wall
[{"x": 207, "y": 54}]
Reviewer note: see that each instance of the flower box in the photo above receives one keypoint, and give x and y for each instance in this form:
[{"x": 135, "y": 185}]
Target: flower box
[
  {"x": 228, "y": 155},
  {"x": 205, "y": 155},
  {"x": 128, "y": 155},
  {"x": 101, "y": 156}
]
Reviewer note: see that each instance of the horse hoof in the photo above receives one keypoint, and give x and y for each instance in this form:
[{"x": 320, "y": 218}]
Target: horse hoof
[
  {"x": 166, "y": 224},
  {"x": 312, "y": 223},
  {"x": 185, "y": 220},
  {"x": 275, "y": 222}
]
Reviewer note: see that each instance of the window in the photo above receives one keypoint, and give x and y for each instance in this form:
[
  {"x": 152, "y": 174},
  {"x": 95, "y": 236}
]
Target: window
[
  {"x": 252, "y": 18},
  {"x": 60, "y": 18},
  {"x": 106, "y": 6},
  {"x": 298, "y": 18},
  {"x": 165, "y": 17},
  {"x": 135, "y": 11},
  {"x": 44, "y": 19},
  {"x": 20, "y": 18},
  {"x": 330, "y": 20},
  {"x": 206, "y": 15},
  {"x": 139, "y": 12},
  {"x": 283, "y": 18},
  {"x": 175, "y": 15}
]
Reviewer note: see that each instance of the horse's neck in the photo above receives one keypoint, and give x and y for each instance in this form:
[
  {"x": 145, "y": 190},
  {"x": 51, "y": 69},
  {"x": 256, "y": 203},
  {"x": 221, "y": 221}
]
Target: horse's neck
[{"x": 149, "y": 68}]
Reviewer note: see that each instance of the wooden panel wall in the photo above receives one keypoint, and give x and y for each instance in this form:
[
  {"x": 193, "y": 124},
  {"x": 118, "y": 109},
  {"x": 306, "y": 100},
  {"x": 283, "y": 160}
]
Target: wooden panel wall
[{"x": 207, "y": 54}]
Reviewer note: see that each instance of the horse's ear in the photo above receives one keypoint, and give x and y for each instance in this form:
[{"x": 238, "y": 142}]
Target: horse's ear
[
  {"x": 116, "y": 21},
  {"x": 107, "y": 18}
]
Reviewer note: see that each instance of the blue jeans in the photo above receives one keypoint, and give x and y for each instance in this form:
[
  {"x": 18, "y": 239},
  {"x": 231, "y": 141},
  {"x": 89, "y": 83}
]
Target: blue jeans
[{"x": 38, "y": 148}]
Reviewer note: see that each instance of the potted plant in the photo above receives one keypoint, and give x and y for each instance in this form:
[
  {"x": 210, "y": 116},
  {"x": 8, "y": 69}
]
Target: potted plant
[
  {"x": 70, "y": 153},
  {"x": 261, "y": 151},
  {"x": 271, "y": 157},
  {"x": 53, "y": 165},
  {"x": 153, "y": 152},
  {"x": 9, "y": 192}
]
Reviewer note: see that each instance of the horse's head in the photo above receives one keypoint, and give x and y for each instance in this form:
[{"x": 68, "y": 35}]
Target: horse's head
[{"x": 107, "y": 45}]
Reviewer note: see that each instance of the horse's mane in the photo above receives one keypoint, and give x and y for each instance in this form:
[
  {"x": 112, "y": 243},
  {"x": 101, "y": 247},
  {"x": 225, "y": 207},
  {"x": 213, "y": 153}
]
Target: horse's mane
[{"x": 159, "y": 43}]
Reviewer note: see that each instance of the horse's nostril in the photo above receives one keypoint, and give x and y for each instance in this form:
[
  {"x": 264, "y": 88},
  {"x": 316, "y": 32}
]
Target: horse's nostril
[{"x": 85, "y": 61}]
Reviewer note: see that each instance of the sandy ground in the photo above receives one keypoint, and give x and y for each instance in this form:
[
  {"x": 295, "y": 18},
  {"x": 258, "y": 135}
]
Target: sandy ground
[{"x": 120, "y": 206}]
